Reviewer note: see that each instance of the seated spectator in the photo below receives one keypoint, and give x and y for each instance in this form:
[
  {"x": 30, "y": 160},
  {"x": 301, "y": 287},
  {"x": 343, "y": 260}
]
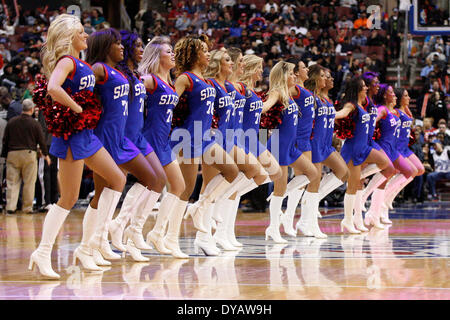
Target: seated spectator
[
  {"x": 428, "y": 129},
  {"x": 271, "y": 4},
  {"x": 443, "y": 130},
  {"x": 375, "y": 39},
  {"x": 438, "y": 53},
  {"x": 359, "y": 39},
  {"x": 183, "y": 21},
  {"x": 314, "y": 22},
  {"x": 205, "y": 29},
  {"x": 9, "y": 78},
  {"x": 344, "y": 23},
  {"x": 441, "y": 158},
  {"x": 96, "y": 18},
  {"x": 427, "y": 68},
  {"x": 361, "y": 22},
  {"x": 328, "y": 21},
  {"x": 298, "y": 49},
  {"x": 436, "y": 108},
  {"x": 345, "y": 47}
]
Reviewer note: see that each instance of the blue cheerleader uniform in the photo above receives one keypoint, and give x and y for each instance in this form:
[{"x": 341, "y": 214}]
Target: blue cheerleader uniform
[
  {"x": 305, "y": 102},
  {"x": 200, "y": 97},
  {"x": 113, "y": 91},
  {"x": 373, "y": 112},
  {"x": 250, "y": 124},
  {"x": 85, "y": 143},
  {"x": 322, "y": 133},
  {"x": 135, "y": 120},
  {"x": 237, "y": 117},
  {"x": 282, "y": 143},
  {"x": 403, "y": 135},
  {"x": 388, "y": 140},
  {"x": 223, "y": 109},
  {"x": 160, "y": 103},
  {"x": 356, "y": 148}
]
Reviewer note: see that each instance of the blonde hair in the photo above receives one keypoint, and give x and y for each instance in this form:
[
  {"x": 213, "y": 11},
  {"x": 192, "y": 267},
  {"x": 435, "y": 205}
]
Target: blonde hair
[
  {"x": 151, "y": 57},
  {"x": 234, "y": 54},
  {"x": 59, "y": 41},
  {"x": 215, "y": 62},
  {"x": 278, "y": 81},
  {"x": 251, "y": 64}
]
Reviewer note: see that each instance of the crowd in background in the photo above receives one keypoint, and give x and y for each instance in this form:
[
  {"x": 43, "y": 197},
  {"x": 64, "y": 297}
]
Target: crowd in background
[{"x": 315, "y": 30}]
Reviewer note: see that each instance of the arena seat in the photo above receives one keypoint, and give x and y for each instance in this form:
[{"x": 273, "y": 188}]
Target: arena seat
[{"x": 343, "y": 11}]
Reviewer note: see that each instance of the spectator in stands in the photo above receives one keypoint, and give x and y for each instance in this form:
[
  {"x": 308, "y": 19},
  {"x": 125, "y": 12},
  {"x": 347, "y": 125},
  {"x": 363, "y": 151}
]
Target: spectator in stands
[
  {"x": 437, "y": 54},
  {"x": 12, "y": 106},
  {"x": 361, "y": 22},
  {"x": 298, "y": 49},
  {"x": 396, "y": 25},
  {"x": 375, "y": 39},
  {"x": 441, "y": 158},
  {"x": 6, "y": 54},
  {"x": 205, "y": 29},
  {"x": 22, "y": 136},
  {"x": 444, "y": 130},
  {"x": 96, "y": 17},
  {"x": 88, "y": 27},
  {"x": 359, "y": 39},
  {"x": 411, "y": 52},
  {"x": 344, "y": 48},
  {"x": 329, "y": 21},
  {"x": 427, "y": 68},
  {"x": 428, "y": 129},
  {"x": 183, "y": 21},
  {"x": 269, "y": 5},
  {"x": 344, "y": 23},
  {"x": 436, "y": 107}
]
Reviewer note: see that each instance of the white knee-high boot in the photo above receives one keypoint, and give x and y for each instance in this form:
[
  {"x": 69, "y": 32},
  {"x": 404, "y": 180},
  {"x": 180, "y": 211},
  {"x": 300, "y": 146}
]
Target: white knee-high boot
[
  {"x": 205, "y": 240},
  {"x": 42, "y": 255},
  {"x": 132, "y": 201},
  {"x": 373, "y": 184},
  {"x": 393, "y": 188},
  {"x": 369, "y": 170},
  {"x": 357, "y": 217},
  {"x": 373, "y": 215},
  {"x": 221, "y": 235},
  {"x": 304, "y": 223},
  {"x": 171, "y": 241},
  {"x": 84, "y": 252},
  {"x": 273, "y": 231},
  {"x": 232, "y": 222},
  {"x": 347, "y": 222},
  {"x": 328, "y": 184},
  {"x": 106, "y": 207},
  {"x": 287, "y": 219},
  {"x": 313, "y": 206},
  {"x": 134, "y": 230}
]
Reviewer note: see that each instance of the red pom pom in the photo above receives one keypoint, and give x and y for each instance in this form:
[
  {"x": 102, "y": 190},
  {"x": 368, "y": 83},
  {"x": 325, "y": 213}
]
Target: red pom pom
[
  {"x": 377, "y": 132},
  {"x": 61, "y": 120},
  {"x": 412, "y": 138},
  {"x": 272, "y": 118},
  {"x": 180, "y": 112},
  {"x": 345, "y": 128},
  {"x": 215, "y": 121}
]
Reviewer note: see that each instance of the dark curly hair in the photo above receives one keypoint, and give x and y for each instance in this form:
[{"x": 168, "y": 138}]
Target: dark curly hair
[
  {"x": 129, "y": 44},
  {"x": 186, "y": 52}
]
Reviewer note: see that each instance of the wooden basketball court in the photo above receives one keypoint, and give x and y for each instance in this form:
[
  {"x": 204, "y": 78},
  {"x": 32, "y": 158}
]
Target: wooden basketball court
[{"x": 408, "y": 260}]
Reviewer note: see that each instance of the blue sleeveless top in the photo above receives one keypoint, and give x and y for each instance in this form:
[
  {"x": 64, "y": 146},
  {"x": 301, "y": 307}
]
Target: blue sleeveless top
[
  {"x": 403, "y": 135},
  {"x": 113, "y": 92},
  {"x": 223, "y": 109},
  {"x": 200, "y": 99},
  {"x": 389, "y": 134},
  {"x": 160, "y": 103},
  {"x": 305, "y": 102},
  {"x": 356, "y": 148},
  {"x": 135, "y": 120},
  {"x": 82, "y": 144},
  {"x": 322, "y": 133},
  {"x": 282, "y": 142},
  {"x": 237, "y": 117}
]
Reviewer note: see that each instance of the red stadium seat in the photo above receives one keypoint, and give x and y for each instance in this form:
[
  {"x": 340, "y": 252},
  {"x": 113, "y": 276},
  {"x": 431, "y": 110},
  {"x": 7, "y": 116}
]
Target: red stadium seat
[{"x": 343, "y": 11}]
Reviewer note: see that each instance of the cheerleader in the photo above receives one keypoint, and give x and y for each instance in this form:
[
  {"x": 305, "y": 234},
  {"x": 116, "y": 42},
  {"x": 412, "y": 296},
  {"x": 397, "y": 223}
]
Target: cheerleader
[
  {"x": 105, "y": 51},
  {"x": 249, "y": 160},
  {"x": 282, "y": 80},
  {"x": 372, "y": 82},
  {"x": 322, "y": 152},
  {"x": 191, "y": 58},
  {"x": 219, "y": 69},
  {"x": 139, "y": 201},
  {"x": 251, "y": 117},
  {"x": 404, "y": 114},
  {"x": 356, "y": 150},
  {"x": 305, "y": 101},
  {"x": 158, "y": 61},
  {"x": 65, "y": 71},
  {"x": 389, "y": 124}
]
